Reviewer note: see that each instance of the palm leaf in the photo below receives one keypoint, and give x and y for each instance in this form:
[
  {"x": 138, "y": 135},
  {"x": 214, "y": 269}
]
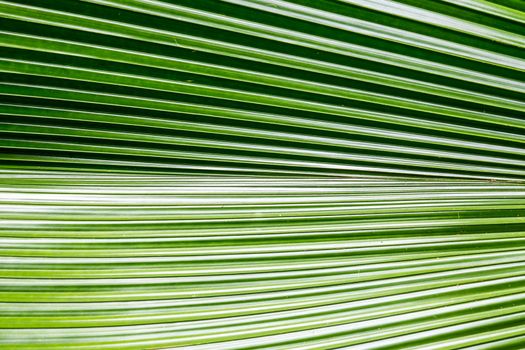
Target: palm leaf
[{"x": 262, "y": 174}]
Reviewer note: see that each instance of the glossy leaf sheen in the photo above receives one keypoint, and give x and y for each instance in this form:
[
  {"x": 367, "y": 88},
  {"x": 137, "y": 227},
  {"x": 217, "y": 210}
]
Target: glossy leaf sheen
[{"x": 282, "y": 174}]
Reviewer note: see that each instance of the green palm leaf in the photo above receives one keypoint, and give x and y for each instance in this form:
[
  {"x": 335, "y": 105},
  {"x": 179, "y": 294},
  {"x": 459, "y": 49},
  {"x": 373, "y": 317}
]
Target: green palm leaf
[{"x": 262, "y": 174}]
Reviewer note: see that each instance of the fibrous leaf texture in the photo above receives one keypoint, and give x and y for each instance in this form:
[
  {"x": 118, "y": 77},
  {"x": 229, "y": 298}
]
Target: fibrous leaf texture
[{"x": 262, "y": 174}]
